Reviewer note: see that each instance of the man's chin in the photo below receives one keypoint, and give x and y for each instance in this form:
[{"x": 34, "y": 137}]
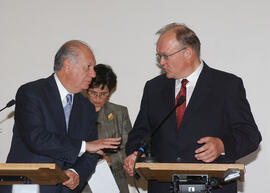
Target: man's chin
[
  {"x": 168, "y": 75},
  {"x": 85, "y": 86}
]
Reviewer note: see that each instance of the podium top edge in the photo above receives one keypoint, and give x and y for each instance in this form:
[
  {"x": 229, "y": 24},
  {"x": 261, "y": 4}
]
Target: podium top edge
[
  {"x": 26, "y": 166},
  {"x": 191, "y": 166}
]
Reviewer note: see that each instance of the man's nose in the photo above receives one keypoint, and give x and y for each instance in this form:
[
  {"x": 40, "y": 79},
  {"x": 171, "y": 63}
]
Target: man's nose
[
  {"x": 162, "y": 61},
  {"x": 92, "y": 73}
]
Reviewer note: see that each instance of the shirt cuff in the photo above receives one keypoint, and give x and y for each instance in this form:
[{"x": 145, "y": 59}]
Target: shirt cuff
[
  {"x": 71, "y": 169},
  {"x": 83, "y": 149}
]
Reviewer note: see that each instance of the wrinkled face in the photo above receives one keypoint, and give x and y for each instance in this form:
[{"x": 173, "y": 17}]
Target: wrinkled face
[
  {"x": 98, "y": 96},
  {"x": 81, "y": 71},
  {"x": 172, "y": 56}
]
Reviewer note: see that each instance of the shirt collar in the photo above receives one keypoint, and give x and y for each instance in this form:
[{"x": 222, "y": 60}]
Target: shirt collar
[
  {"x": 62, "y": 90},
  {"x": 192, "y": 78}
]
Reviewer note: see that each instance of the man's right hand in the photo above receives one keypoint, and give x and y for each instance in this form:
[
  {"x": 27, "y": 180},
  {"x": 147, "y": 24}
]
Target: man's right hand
[
  {"x": 129, "y": 163},
  {"x": 99, "y": 144}
]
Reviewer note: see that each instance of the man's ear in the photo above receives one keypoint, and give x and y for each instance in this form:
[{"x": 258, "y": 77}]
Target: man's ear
[
  {"x": 188, "y": 52},
  {"x": 66, "y": 65}
]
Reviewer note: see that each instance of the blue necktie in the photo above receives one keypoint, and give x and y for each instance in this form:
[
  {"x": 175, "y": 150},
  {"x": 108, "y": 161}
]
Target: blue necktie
[{"x": 67, "y": 108}]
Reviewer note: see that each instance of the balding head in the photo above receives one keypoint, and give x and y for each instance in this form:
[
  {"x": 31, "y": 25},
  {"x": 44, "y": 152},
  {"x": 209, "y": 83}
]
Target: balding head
[
  {"x": 178, "y": 51},
  {"x": 74, "y": 66},
  {"x": 71, "y": 50},
  {"x": 184, "y": 35}
]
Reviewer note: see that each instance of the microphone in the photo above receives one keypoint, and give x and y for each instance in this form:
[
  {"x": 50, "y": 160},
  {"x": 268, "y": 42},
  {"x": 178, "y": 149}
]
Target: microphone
[
  {"x": 9, "y": 104},
  {"x": 145, "y": 143}
]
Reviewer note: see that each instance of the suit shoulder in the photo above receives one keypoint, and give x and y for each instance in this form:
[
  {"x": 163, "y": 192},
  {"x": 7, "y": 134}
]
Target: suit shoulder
[
  {"x": 224, "y": 76},
  {"x": 159, "y": 81},
  {"x": 33, "y": 85},
  {"x": 158, "y": 78},
  {"x": 115, "y": 107}
]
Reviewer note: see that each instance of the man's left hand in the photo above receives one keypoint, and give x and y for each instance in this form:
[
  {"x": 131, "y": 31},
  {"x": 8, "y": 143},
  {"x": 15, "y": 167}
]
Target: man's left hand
[
  {"x": 211, "y": 149},
  {"x": 73, "y": 180}
]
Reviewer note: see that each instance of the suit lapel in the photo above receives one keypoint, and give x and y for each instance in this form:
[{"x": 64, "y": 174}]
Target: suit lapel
[
  {"x": 74, "y": 114},
  {"x": 101, "y": 115},
  {"x": 200, "y": 93},
  {"x": 55, "y": 104},
  {"x": 107, "y": 128},
  {"x": 168, "y": 95},
  {"x": 112, "y": 122}
]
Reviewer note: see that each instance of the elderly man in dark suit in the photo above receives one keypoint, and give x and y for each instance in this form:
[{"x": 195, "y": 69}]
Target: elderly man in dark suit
[
  {"x": 56, "y": 124},
  {"x": 214, "y": 124}
]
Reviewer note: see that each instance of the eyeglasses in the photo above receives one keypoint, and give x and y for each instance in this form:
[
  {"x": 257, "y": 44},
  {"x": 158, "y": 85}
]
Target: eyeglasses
[
  {"x": 166, "y": 56},
  {"x": 93, "y": 93}
]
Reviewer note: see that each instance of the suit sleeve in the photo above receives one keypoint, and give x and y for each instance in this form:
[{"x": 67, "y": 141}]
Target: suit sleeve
[
  {"x": 141, "y": 126},
  {"x": 125, "y": 129},
  {"x": 30, "y": 122},
  {"x": 85, "y": 165},
  {"x": 244, "y": 136}
]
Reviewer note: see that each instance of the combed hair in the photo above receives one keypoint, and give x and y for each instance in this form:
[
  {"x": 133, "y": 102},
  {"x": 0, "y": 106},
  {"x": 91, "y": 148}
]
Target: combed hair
[
  {"x": 104, "y": 77},
  {"x": 184, "y": 35},
  {"x": 68, "y": 51}
]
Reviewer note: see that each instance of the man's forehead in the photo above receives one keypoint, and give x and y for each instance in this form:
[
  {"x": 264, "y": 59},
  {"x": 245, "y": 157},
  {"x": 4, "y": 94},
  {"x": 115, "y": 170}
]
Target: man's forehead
[
  {"x": 169, "y": 41},
  {"x": 167, "y": 36}
]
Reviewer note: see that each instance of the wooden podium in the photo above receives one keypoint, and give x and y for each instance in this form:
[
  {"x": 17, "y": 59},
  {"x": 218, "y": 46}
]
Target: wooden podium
[
  {"x": 190, "y": 177},
  {"x": 41, "y": 173},
  {"x": 163, "y": 171}
]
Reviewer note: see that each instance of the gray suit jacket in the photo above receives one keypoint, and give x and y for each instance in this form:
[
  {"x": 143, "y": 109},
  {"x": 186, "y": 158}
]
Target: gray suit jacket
[{"x": 113, "y": 121}]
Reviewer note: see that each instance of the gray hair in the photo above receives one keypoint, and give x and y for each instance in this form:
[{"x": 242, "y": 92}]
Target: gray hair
[
  {"x": 69, "y": 51},
  {"x": 184, "y": 36}
]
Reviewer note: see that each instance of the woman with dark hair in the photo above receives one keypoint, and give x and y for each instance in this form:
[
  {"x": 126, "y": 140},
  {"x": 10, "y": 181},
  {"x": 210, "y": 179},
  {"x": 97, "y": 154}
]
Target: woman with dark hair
[{"x": 113, "y": 120}]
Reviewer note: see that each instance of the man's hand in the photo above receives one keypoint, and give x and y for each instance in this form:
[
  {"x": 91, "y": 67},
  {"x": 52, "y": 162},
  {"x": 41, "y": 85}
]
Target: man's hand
[
  {"x": 211, "y": 149},
  {"x": 97, "y": 145},
  {"x": 129, "y": 163},
  {"x": 73, "y": 180}
]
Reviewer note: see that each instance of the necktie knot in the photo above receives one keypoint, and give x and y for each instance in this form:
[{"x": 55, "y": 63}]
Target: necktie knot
[
  {"x": 69, "y": 99},
  {"x": 184, "y": 83}
]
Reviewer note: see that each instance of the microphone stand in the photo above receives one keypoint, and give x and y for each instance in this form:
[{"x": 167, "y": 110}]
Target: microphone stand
[
  {"x": 9, "y": 104},
  {"x": 146, "y": 142}
]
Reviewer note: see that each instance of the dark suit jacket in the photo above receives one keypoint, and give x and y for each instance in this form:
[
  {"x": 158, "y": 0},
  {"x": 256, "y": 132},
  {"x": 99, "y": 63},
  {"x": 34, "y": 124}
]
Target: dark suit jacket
[
  {"x": 218, "y": 107},
  {"x": 40, "y": 135},
  {"x": 113, "y": 121}
]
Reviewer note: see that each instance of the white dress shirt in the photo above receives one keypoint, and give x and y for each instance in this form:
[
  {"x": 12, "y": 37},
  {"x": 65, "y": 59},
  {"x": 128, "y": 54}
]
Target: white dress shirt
[{"x": 192, "y": 80}]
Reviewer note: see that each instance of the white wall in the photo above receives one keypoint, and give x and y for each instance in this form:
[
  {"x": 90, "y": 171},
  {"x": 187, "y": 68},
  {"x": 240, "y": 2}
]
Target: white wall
[{"x": 234, "y": 37}]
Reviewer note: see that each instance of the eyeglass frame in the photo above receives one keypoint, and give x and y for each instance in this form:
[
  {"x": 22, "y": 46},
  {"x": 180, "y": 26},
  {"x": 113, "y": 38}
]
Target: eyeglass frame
[
  {"x": 166, "y": 56},
  {"x": 98, "y": 95}
]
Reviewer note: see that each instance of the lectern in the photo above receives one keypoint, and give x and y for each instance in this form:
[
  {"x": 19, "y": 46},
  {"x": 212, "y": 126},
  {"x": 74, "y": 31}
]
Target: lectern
[
  {"x": 190, "y": 177},
  {"x": 39, "y": 173}
]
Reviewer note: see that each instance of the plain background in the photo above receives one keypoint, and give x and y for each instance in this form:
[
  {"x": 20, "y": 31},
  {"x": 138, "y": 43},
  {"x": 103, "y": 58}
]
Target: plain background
[{"x": 234, "y": 37}]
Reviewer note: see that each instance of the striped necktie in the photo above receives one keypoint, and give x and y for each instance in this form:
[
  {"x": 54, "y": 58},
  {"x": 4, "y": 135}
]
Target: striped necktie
[{"x": 181, "y": 109}]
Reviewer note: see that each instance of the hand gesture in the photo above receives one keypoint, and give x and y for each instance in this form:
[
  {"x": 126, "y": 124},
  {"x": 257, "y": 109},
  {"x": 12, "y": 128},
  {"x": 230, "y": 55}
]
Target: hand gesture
[
  {"x": 129, "y": 163},
  {"x": 99, "y": 144},
  {"x": 211, "y": 149}
]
